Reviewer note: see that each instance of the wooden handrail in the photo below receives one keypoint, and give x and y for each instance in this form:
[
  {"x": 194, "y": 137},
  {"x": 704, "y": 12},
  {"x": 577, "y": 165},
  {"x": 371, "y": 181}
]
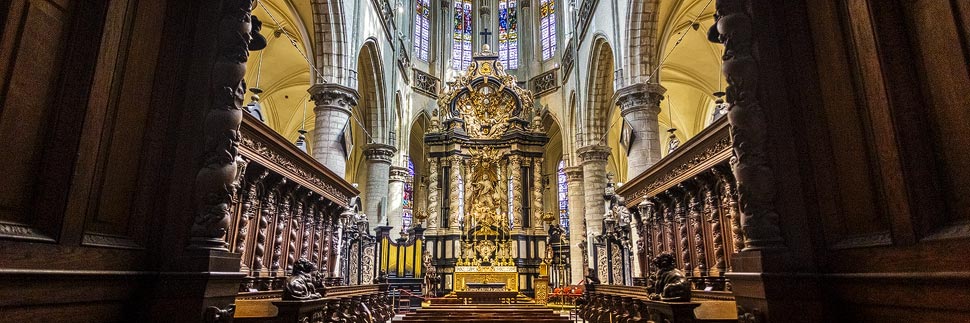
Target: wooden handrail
[{"x": 708, "y": 148}]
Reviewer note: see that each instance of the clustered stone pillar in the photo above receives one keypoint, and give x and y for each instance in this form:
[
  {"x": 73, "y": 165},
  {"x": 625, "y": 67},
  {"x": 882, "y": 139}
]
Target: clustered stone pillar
[
  {"x": 378, "y": 173},
  {"x": 395, "y": 200},
  {"x": 594, "y": 183},
  {"x": 577, "y": 225},
  {"x": 640, "y": 106},
  {"x": 333, "y": 104}
]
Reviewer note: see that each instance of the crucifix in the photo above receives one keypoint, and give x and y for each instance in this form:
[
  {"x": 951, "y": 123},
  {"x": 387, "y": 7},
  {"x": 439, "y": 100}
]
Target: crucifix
[{"x": 485, "y": 33}]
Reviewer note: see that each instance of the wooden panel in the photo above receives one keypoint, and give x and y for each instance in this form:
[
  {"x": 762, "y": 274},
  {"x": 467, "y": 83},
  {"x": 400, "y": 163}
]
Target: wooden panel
[
  {"x": 111, "y": 178},
  {"x": 939, "y": 36},
  {"x": 32, "y": 48}
]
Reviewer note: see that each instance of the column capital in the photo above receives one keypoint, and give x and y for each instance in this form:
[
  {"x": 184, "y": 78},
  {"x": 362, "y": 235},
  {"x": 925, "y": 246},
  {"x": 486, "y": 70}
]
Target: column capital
[
  {"x": 574, "y": 173},
  {"x": 639, "y": 97},
  {"x": 594, "y": 153},
  {"x": 333, "y": 96},
  {"x": 399, "y": 174},
  {"x": 379, "y": 152}
]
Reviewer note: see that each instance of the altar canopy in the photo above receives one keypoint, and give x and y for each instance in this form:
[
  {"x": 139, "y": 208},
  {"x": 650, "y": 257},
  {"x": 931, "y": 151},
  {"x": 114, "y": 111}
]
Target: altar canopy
[{"x": 486, "y": 145}]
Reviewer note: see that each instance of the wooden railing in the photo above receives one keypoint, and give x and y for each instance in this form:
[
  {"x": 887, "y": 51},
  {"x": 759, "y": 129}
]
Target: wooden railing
[
  {"x": 631, "y": 304},
  {"x": 287, "y": 206},
  {"x": 360, "y": 303},
  {"x": 686, "y": 205}
]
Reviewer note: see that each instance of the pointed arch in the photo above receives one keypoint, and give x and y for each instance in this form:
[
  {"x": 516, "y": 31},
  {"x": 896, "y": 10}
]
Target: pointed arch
[
  {"x": 599, "y": 91},
  {"x": 372, "y": 104},
  {"x": 330, "y": 50},
  {"x": 642, "y": 40}
]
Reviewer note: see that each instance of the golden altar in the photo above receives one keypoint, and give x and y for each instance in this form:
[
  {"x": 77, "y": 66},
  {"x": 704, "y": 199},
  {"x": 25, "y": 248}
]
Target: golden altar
[{"x": 486, "y": 274}]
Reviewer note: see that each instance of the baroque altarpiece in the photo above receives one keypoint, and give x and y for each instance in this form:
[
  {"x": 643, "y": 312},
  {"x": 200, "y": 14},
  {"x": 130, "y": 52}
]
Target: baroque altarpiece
[{"x": 484, "y": 219}]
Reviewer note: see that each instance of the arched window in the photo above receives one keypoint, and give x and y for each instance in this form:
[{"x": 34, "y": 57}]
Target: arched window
[
  {"x": 547, "y": 27},
  {"x": 508, "y": 35},
  {"x": 563, "y": 199},
  {"x": 461, "y": 48},
  {"x": 408, "y": 197},
  {"x": 422, "y": 27}
]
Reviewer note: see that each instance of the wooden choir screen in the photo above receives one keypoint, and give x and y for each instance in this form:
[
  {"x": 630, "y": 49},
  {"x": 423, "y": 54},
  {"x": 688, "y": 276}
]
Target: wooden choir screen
[
  {"x": 686, "y": 205},
  {"x": 285, "y": 210}
]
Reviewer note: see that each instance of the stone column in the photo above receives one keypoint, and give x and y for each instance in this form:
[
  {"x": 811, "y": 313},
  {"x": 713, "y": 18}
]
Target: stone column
[
  {"x": 332, "y": 111},
  {"x": 577, "y": 227},
  {"x": 395, "y": 200},
  {"x": 594, "y": 182},
  {"x": 378, "y": 173},
  {"x": 640, "y": 106}
]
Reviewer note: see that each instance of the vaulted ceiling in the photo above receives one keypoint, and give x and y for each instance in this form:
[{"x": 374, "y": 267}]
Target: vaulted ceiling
[
  {"x": 691, "y": 72},
  {"x": 283, "y": 72}
]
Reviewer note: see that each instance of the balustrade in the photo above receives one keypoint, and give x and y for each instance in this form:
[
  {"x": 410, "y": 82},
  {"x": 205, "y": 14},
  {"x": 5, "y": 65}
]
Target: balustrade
[{"x": 686, "y": 205}]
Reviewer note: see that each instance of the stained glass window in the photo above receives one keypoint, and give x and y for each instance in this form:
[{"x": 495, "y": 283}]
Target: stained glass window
[
  {"x": 508, "y": 35},
  {"x": 547, "y": 27},
  {"x": 408, "y": 197},
  {"x": 461, "y": 48},
  {"x": 563, "y": 199},
  {"x": 422, "y": 25}
]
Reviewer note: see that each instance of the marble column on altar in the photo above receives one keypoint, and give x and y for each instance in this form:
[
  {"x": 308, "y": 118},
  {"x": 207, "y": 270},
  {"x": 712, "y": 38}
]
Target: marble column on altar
[
  {"x": 332, "y": 111},
  {"x": 594, "y": 183},
  {"x": 515, "y": 176},
  {"x": 378, "y": 172},
  {"x": 455, "y": 208},
  {"x": 640, "y": 106},
  {"x": 577, "y": 225},
  {"x": 434, "y": 198},
  {"x": 395, "y": 200},
  {"x": 537, "y": 194}
]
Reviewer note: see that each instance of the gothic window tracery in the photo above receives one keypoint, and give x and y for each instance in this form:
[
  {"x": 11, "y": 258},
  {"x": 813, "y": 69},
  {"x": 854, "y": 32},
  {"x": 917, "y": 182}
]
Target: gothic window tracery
[
  {"x": 547, "y": 28},
  {"x": 461, "y": 48},
  {"x": 563, "y": 199},
  {"x": 508, "y": 35},
  {"x": 422, "y": 27}
]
